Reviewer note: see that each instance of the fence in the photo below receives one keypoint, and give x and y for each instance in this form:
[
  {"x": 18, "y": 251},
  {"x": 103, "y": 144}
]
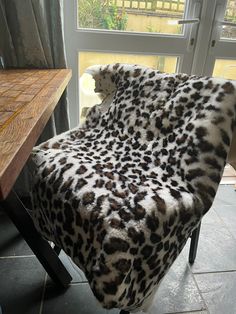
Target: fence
[
  {"x": 151, "y": 5},
  {"x": 167, "y": 5}
]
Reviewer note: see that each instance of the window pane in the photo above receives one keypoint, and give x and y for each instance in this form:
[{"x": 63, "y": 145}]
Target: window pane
[
  {"x": 155, "y": 16},
  {"x": 230, "y": 16},
  {"x": 88, "y": 97},
  {"x": 225, "y": 68}
]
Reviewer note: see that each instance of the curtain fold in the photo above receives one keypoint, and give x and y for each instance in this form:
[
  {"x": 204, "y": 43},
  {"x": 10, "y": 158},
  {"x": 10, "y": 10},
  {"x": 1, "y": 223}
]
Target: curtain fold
[{"x": 31, "y": 36}]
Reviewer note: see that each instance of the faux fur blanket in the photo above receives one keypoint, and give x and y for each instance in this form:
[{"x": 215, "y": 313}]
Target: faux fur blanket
[{"x": 122, "y": 194}]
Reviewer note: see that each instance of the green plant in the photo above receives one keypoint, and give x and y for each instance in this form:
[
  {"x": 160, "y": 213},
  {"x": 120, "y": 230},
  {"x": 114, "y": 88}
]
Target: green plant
[
  {"x": 101, "y": 14},
  {"x": 90, "y": 12},
  {"x": 113, "y": 18}
]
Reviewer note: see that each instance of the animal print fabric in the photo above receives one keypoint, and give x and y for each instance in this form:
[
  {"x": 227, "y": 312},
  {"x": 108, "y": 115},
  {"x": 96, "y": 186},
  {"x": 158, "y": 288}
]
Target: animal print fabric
[{"x": 122, "y": 194}]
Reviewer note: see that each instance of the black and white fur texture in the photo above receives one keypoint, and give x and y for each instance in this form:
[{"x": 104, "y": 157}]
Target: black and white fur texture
[{"x": 122, "y": 194}]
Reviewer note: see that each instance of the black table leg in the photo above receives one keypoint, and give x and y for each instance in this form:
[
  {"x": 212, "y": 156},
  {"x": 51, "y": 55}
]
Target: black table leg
[
  {"x": 18, "y": 214},
  {"x": 194, "y": 244}
]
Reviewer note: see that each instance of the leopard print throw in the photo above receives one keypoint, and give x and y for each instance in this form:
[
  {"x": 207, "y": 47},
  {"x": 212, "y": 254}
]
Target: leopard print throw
[{"x": 122, "y": 194}]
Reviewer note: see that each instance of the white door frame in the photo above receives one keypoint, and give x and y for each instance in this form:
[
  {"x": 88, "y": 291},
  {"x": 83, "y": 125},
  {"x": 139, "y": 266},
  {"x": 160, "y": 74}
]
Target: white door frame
[
  {"x": 124, "y": 42},
  {"x": 209, "y": 45}
]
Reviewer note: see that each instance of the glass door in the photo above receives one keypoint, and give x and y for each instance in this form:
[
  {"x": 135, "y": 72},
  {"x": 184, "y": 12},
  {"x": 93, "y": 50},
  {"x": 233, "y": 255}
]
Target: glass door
[
  {"x": 224, "y": 54},
  {"x": 157, "y": 33},
  {"x": 220, "y": 49}
]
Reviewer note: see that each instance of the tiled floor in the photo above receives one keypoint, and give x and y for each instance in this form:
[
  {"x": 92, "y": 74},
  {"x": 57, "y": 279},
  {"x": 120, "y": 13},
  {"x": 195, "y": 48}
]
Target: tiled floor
[{"x": 208, "y": 287}]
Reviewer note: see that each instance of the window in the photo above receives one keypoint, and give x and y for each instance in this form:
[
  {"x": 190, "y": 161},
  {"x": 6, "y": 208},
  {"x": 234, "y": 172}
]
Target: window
[
  {"x": 229, "y": 31},
  {"x": 225, "y": 68},
  {"x": 134, "y": 16},
  {"x": 188, "y": 36}
]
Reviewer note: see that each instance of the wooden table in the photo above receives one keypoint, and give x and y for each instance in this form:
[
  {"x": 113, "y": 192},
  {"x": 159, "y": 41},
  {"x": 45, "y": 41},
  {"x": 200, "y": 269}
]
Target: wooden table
[{"x": 27, "y": 100}]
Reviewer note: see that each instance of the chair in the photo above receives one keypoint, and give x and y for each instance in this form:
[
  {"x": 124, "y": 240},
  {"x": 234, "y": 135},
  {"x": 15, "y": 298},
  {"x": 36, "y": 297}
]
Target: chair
[{"x": 122, "y": 194}]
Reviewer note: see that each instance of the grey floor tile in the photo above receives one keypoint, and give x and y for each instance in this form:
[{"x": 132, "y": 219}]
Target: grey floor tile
[
  {"x": 228, "y": 214},
  {"x": 211, "y": 218},
  {"x": 215, "y": 243},
  {"x": 226, "y": 195},
  {"x": 214, "y": 251},
  {"x": 218, "y": 291},
  {"x": 11, "y": 242},
  {"x": 77, "y": 299},
  {"x": 194, "y": 312},
  {"x": 177, "y": 292},
  {"x": 21, "y": 285},
  {"x": 76, "y": 273}
]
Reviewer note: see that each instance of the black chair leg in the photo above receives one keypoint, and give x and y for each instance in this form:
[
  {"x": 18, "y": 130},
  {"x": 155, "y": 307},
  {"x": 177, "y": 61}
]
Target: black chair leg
[
  {"x": 57, "y": 250},
  {"x": 194, "y": 244}
]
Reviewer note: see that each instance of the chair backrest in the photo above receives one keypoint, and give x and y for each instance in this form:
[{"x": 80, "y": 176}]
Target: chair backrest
[{"x": 187, "y": 120}]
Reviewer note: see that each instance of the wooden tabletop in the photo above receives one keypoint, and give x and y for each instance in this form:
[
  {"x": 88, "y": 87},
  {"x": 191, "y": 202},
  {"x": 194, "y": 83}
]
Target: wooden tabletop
[{"x": 27, "y": 100}]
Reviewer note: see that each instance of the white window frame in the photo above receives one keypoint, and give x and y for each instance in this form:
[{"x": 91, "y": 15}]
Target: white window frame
[{"x": 77, "y": 40}]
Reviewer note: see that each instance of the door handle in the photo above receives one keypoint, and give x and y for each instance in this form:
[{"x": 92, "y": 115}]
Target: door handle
[
  {"x": 193, "y": 22},
  {"x": 190, "y": 21},
  {"x": 184, "y": 21}
]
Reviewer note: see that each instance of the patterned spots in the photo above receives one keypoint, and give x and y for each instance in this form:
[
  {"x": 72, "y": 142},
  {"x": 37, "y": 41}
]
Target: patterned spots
[
  {"x": 150, "y": 135},
  {"x": 116, "y": 244},
  {"x": 152, "y": 222},
  {"x": 225, "y": 137},
  {"x": 80, "y": 184},
  {"x": 48, "y": 170},
  {"x": 116, "y": 223},
  {"x": 81, "y": 170},
  {"x": 122, "y": 194},
  {"x": 194, "y": 173},
  {"x": 228, "y": 88},
  {"x": 160, "y": 203},
  {"x": 198, "y": 85},
  {"x": 201, "y": 132},
  {"x": 88, "y": 198},
  {"x": 205, "y": 146},
  {"x": 146, "y": 251}
]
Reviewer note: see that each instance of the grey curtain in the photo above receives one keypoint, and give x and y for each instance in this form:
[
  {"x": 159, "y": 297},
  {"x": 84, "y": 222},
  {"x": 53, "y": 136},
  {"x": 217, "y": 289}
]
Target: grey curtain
[{"x": 31, "y": 36}]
